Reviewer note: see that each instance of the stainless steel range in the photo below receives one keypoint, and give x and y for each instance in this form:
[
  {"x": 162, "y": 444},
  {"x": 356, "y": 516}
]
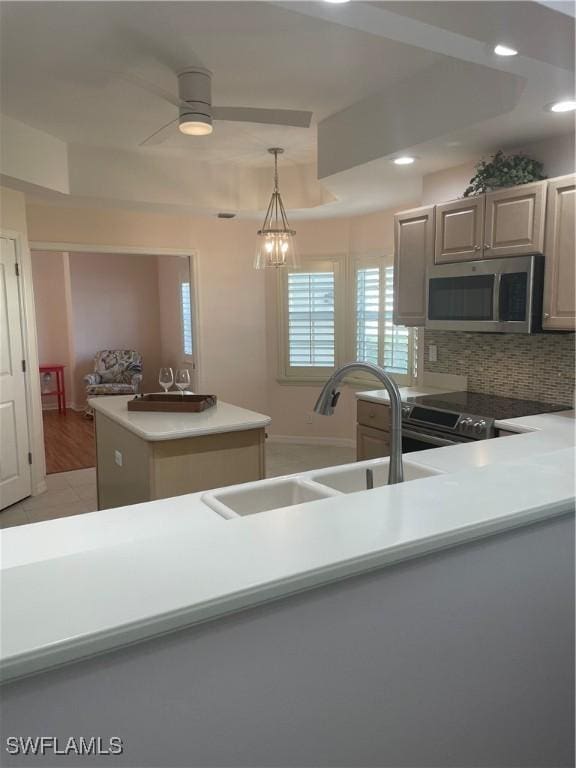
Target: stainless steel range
[{"x": 460, "y": 417}]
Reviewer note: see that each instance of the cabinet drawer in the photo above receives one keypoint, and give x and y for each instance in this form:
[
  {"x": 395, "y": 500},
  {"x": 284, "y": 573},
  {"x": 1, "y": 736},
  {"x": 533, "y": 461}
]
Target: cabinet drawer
[{"x": 374, "y": 415}]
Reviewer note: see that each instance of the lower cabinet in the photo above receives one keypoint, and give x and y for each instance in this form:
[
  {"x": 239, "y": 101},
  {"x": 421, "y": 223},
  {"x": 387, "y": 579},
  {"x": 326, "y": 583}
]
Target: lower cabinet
[{"x": 372, "y": 431}]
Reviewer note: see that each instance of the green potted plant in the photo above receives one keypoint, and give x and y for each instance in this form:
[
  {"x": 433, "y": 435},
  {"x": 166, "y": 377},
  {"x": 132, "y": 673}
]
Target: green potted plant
[{"x": 504, "y": 171}]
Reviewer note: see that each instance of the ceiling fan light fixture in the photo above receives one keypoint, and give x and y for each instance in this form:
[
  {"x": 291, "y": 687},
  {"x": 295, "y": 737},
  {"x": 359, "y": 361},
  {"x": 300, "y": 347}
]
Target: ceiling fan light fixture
[
  {"x": 195, "y": 128},
  {"x": 276, "y": 244},
  {"x": 195, "y": 125}
]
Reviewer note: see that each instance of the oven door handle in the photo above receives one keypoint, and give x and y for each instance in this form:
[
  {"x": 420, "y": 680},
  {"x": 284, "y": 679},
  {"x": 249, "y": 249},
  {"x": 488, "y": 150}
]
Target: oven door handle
[{"x": 426, "y": 438}]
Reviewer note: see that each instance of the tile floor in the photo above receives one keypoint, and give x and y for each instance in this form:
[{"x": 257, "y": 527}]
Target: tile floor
[{"x": 73, "y": 493}]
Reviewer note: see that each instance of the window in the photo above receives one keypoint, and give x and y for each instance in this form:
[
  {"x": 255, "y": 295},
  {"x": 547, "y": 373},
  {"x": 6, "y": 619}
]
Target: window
[
  {"x": 186, "y": 309},
  {"x": 311, "y": 319},
  {"x": 337, "y": 310},
  {"x": 310, "y": 302}
]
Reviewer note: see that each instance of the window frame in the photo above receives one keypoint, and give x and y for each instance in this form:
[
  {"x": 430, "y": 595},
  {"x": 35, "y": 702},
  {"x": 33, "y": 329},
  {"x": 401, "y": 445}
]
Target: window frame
[
  {"x": 345, "y": 267},
  {"x": 288, "y": 374}
]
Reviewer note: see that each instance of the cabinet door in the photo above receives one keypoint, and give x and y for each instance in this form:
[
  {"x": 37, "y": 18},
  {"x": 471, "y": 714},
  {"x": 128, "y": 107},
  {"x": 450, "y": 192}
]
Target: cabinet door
[
  {"x": 371, "y": 443},
  {"x": 413, "y": 252},
  {"x": 515, "y": 221},
  {"x": 560, "y": 256},
  {"x": 459, "y": 230}
]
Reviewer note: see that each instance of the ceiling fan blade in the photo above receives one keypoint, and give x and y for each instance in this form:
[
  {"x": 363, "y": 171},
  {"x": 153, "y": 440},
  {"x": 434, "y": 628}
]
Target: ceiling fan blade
[
  {"x": 146, "y": 85},
  {"x": 159, "y": 136},
  {"x": 292, "y": 117}
]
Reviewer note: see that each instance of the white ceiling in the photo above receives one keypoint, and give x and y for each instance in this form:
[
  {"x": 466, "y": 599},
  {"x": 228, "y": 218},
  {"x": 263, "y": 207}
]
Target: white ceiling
[{"x": 60, "y": 67}]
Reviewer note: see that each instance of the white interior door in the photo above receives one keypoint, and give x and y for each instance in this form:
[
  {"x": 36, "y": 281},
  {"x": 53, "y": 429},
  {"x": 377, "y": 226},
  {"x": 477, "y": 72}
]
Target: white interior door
[{"x": 15, "y": 477}]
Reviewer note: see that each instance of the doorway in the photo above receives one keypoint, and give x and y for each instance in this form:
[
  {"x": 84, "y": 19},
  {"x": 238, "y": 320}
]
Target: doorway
[{"x": 89, "y": 300}]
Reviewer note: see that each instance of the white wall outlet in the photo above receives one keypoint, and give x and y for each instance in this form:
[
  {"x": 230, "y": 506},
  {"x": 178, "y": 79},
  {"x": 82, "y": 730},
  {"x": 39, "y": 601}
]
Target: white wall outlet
[
  {"x": 432, "y": 353},
  {"x": 118, "y": 459},
  {"x": 309, "y": 417}
]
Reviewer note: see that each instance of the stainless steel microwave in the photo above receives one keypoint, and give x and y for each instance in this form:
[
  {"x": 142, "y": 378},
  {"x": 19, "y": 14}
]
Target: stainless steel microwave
[{"x": 490, "y": 296}]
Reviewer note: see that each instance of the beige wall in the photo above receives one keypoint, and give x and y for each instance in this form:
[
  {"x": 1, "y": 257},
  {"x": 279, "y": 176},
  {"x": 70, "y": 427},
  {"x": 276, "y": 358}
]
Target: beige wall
[
  {"x": 50, "y": 276},
  {"x": 114, "y": 306}
]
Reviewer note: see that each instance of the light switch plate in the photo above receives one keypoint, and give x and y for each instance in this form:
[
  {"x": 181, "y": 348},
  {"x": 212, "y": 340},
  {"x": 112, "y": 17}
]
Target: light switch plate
[
  {"x": 118, "y": 458},
  {"x": 432, "y": 353}
]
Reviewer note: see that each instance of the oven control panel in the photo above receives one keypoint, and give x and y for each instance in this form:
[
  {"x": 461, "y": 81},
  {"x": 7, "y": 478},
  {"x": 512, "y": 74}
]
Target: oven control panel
[{"x": 473, "y": 427}]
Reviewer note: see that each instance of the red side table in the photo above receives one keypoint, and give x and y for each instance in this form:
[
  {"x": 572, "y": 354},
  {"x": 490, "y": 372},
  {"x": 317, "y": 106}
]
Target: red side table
[{"x": 59, "y": 392}]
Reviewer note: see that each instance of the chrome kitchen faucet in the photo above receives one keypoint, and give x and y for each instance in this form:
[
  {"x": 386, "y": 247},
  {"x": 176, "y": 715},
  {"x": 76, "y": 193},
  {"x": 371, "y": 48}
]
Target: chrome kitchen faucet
[{"x": 329, "y": 397}]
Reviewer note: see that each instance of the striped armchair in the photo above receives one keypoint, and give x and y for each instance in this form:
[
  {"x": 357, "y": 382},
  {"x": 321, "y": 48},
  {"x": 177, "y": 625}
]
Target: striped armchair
[{"x": 116, "y": 372}]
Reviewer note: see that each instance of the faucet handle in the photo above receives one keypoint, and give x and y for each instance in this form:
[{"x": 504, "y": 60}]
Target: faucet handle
[{"x": 335, "y": 398}]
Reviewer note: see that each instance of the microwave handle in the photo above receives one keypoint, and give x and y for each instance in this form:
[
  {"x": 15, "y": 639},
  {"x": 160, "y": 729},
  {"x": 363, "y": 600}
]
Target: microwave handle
[{"x": 497, "y": 285}]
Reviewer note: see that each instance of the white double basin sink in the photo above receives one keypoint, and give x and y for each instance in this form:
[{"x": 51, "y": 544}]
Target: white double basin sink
[{"x": 282, "y": 492}]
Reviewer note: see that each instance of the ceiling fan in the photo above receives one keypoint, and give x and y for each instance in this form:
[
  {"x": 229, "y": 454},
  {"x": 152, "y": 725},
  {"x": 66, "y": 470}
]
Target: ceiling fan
[{"x": 196, "y": 113}]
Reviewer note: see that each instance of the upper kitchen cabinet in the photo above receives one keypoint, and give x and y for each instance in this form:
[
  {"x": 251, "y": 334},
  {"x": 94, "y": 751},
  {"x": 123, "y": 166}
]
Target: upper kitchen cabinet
[
  {"x": 560, "y": 256},
  {"x": 459, "y": 230},
  {"x": 514, "y": 221},
  {"x": 413, "y": 251}
]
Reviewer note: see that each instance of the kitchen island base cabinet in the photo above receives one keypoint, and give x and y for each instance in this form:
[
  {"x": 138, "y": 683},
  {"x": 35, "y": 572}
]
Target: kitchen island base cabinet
[{"x": 131, "y": 470}]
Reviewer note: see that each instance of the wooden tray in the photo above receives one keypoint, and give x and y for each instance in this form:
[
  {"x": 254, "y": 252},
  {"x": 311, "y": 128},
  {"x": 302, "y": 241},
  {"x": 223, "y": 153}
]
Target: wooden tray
[{"x": 174, "y": 401}]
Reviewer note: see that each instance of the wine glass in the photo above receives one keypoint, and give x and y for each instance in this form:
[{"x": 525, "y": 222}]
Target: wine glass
[
  {"x": 182, "y": 379},
  {"x": 166, "y": 379}
]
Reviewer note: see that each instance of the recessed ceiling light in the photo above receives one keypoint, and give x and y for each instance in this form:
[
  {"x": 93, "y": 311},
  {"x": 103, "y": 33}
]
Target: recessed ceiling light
[
  {"x": 505, "y": 50},
  {"x": 337, "y": 2},
  {"x": 563, "y": 106},
  {"x": 404, "y": 160}
]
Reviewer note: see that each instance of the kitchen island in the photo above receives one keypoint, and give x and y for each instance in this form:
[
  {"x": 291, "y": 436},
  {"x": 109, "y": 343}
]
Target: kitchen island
[
  {"x": 443, "y": 605},
  {"x": 145, "y": 455}
]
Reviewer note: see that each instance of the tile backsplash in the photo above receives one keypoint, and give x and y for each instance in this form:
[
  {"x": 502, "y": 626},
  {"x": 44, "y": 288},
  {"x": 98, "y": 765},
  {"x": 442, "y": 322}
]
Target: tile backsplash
[{"x": 539, "y": 367}]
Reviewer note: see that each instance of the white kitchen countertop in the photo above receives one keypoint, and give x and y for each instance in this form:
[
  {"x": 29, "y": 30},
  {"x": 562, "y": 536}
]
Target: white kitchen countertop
[
  {"x": 137, "y": 571},
  {"x": 152, "y": 426},
  {"x": 381, "y": 395}
]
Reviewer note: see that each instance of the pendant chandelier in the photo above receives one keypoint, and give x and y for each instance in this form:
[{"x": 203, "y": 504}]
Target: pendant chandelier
[{"x": 276, "y": 246}]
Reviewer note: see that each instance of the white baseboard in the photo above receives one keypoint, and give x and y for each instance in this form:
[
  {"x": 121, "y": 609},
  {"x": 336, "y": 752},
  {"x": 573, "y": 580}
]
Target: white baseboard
[{"x": 338, "y": 442}]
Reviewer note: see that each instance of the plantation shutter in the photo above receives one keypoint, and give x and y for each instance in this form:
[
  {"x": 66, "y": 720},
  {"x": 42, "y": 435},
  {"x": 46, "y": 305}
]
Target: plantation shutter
[
  {"x": 186, "y": 306},
  {"x": 396, "y": 355},
  {"x": 368, "y": 314},
  {"x": 311, "y": 319},
  {"x": 378, "y": 340}
]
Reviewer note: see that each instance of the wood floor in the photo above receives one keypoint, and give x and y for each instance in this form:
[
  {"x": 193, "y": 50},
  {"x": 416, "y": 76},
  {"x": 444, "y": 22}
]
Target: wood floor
[{"x": 69, "y": 441}]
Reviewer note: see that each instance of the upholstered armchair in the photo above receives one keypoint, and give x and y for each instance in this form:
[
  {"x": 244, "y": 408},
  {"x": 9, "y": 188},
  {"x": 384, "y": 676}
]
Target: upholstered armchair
[{"x": 116, "y": 372}]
